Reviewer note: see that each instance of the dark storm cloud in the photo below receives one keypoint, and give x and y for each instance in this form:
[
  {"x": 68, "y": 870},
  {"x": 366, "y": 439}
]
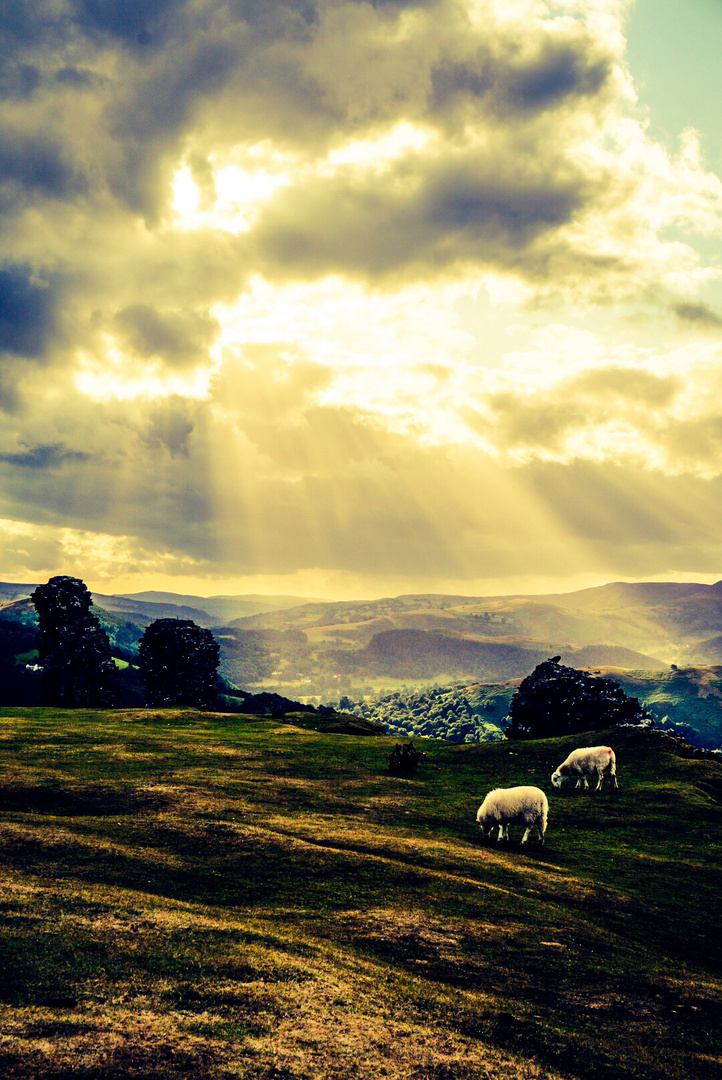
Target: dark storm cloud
[
  {"x": 44, "y": 457},
  {"x": 164, "y": 101},
  {"x": 36, "y": 165},
  {"x": 132, "y": 22},
  {"x": 558, "y": 70},
  {"x": 457, "y": 213},
  {"x": 27, "y": 29},
  {"x": 291, "y": 19},
  {"x": 19, "y": 80},
  {"x": 460, "y": 201},
  {"x": 27, "y": 312},
  {"x": 19, "y": 20},
  {"x": 80, "y": 78}
]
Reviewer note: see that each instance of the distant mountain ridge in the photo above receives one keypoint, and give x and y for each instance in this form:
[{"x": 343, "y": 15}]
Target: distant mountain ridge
[
  {"x": 315, "y": 649},
  {"x": 222, "y": 609},
  {"x": 205, "y": 610}
]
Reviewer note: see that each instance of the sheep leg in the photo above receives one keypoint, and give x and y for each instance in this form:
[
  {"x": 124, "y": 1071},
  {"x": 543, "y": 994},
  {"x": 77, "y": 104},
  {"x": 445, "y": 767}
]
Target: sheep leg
[{"x": 526, "y": 835}]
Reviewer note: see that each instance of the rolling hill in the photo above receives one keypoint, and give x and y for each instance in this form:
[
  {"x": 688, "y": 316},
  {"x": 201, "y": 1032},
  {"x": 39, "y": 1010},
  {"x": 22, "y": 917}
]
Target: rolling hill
[
  {"x": 216, "y": 610},
  {"x": 374, "y": 646},
  {"x": 200, "y": 895},
  {"x": 321, "y": 651}
]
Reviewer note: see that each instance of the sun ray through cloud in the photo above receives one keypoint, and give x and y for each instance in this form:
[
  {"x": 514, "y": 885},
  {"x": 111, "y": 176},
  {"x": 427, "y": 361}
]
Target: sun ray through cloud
[{"x": 383, "y": 295}]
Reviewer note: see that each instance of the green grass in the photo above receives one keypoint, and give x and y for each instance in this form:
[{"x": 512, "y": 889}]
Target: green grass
[{"x": 216, "y": 896}]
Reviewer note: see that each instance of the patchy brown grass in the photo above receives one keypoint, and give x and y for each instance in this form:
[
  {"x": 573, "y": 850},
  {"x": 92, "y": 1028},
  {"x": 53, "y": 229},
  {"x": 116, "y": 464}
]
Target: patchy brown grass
[
  {"x": 290, "y": 1009},
  {"x": 192, "y": 895}
]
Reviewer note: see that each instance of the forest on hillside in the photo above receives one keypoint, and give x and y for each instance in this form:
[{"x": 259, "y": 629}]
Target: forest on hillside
[
  {"x": 407, "y": 663},
  {"x": 684, "y": 702}
]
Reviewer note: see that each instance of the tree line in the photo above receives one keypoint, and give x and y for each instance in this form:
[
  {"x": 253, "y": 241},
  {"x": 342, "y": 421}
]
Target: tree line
[
  {"x": 178, "y": 664},
  {"x": 178, "y": 659}
]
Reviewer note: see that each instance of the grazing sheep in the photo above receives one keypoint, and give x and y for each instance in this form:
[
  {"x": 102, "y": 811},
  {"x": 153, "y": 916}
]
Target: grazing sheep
[
  {"x": 514, "y": 806},
  {"x": 587, "y": 761}
]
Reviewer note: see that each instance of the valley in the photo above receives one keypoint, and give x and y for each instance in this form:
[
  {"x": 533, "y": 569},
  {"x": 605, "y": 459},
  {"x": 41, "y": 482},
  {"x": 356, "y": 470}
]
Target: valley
[{"x": 661, "y": 641}]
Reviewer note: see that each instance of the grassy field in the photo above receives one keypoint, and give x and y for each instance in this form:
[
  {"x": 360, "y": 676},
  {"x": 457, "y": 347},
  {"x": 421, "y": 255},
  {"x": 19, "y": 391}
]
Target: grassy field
[{"x": 207, "y": 896}]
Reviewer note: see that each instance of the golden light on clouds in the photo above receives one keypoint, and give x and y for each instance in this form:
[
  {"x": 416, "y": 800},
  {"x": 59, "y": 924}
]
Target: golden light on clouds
[
  {"x": 238, "y": 191},
  {"x": 112, "y": 375},
  {"x": 248, "y": 176},
  {"x": 357, "y": 294}
]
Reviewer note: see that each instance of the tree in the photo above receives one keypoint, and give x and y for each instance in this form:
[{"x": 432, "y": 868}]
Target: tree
[
  {"x": 73, "y": 649},
  {"x": 559, "y": 700},
  {"x": 405, "y": 758},
  {"x": 179, "y": 663}
]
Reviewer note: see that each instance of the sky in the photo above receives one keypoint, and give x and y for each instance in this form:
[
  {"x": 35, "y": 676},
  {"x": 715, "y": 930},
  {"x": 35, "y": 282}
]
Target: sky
[{"x": 355, "y": 298}]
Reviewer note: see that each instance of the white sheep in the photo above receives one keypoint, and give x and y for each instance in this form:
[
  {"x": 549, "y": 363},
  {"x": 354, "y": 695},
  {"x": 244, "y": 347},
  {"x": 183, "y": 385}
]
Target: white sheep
[
  {"x": 514, "y": 806},
  {"x": 587, "y": 761}
]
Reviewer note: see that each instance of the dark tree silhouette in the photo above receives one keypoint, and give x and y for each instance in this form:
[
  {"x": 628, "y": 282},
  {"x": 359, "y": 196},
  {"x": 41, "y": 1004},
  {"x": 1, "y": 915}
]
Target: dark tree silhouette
[
  {"x": 559, "y": 700},
  {"x": 73, "y": 648},
  {"x": 405, "y": 758},
  {"x": 179, "y": 663}
]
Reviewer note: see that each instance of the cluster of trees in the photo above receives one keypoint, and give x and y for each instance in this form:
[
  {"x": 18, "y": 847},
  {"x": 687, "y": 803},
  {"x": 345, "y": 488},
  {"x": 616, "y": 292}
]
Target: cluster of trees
[
  {"x": 454, "y": 713},
  {"x": 178, "y": 659},
  {"x": 552, "y": 700},
  {"x": 178, "y": 664},
  {"x": 558, "y": 700}
]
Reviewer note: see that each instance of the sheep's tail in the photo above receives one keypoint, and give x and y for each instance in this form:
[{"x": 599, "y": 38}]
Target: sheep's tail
[{"x": 612, "y": 762}]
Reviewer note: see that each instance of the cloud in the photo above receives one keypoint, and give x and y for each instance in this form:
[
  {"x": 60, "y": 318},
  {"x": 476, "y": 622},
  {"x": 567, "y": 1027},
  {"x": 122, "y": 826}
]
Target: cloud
[
  {"x": 454, "y": 213},
  {"x": 180, "y": 338},
  {"x": 30, "y": 164},
  {"x": 273, "y": 275},
  {"x": 131, "y": 22},
  {"x": 27, "y": 312},
  {"x": 698, "y": 314},
  {"x": 555, "y": 69},
  {"x": 170, "y": 426},
  {"x": 19, "y": 80},
  {"x": 633, "y": 519},
  {"x": 43, "y": 457}
]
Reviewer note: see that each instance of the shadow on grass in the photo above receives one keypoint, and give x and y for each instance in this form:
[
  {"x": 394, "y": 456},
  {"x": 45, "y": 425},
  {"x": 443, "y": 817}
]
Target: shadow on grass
[{"x": 92, "y": 800}]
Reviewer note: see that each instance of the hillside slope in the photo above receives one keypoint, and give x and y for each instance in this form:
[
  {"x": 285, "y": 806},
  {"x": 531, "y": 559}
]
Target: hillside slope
[
  {"x": 371, "y": 646},
  {"x": 320, "y": 650},
  {"x": 196, "y": 894}
]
